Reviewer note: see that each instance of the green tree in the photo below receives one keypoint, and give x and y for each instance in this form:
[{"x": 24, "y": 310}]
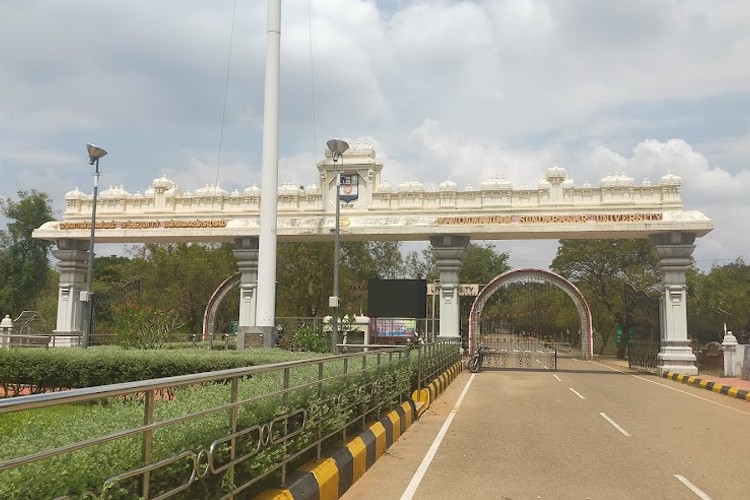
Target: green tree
[
  {"x": 609, "y": 274},
  {"x": 112, "y": 269},
  {"x": 481, "y": 263},
  {"x": 23, "y": 260},
  {"x": 182, "y": 277},
  {"x": 304, "y": 275},
  {"x": 362, "y": 261},
  {"x": 420, "y": 265},
  {"x": 720, "y": 297}
]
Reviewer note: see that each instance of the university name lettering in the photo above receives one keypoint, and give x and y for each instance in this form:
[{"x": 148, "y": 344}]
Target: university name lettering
[
  {"x": 553, "y": 219},
  {"x": 149, "y": 224},
  {"x": 550, "y": 219},
  {"x": 493, "y": 219},
  {"x": 629, "y": 217}
]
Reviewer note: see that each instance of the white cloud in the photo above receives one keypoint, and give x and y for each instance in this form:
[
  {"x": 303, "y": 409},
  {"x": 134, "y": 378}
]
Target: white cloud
[
  {"x": 466, "y": 90},
  {"x": 716, "y": 192}
]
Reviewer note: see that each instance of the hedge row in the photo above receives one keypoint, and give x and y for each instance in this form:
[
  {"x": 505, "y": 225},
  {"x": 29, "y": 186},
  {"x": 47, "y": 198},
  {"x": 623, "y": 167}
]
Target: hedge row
[
  {"x": 41, "y": 370},
  {"x": 85, "y": 470}
]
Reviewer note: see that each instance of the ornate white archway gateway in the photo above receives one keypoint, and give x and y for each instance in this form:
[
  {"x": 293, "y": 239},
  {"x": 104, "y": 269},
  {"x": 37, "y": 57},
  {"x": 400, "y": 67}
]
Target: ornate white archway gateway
[
  {"x": 446, "y": 215},
  {"x": 520, "y": 275}
]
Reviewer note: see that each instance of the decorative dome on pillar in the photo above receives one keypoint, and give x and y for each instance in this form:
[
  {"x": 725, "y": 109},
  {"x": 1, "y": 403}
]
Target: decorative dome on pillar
[
  {"x": 213, "y": 190},
  {"x": 411, "y": 186},
  {"x": 670, "y": 180},
  {"x": 495, "y": 184},
  {"x": 162, "y": 183},
  {"x": 115, "y": 192},
  {"x": 556, "y": 173},
  {"x": 617, "y": 180},
  {"x": 288, "y": 189},
  {"x": 384, "y": 187},
  {"x": 76, "y": 194},
  {"x": 447, "y": 185}
]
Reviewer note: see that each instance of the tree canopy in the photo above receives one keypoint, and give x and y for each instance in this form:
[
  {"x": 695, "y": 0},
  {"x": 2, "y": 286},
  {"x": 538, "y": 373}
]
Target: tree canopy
[
  {"x": 24, "y": 264},
  {"x": 721, "y": 297},
  {"x": 617, "y": 277}
]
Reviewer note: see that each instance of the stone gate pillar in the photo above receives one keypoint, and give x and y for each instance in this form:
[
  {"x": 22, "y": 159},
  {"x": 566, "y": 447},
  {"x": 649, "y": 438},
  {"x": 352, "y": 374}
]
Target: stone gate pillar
[
  {"x": 246, "y": 253},
  {"x": 673, "y": 251},
  {"x": 73, "y": 256},
  {"x": 449, "y": 250}
]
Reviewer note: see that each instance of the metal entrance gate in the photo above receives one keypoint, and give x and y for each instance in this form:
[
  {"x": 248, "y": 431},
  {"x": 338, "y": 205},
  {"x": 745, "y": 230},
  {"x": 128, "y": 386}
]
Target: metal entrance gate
[{"x": 512, "y": 351}]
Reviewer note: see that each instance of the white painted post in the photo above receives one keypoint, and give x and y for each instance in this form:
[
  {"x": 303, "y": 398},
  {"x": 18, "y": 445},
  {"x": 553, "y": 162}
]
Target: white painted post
[
  {"x": 6, "y": 326},
  {"x": 730, "y": 349}
]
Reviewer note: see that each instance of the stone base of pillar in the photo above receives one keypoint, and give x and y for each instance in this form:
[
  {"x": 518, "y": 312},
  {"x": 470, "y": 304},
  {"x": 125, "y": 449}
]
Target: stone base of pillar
[
  {"x": 66, "y": 339},
  {"x": 255, "y": 336},
  {"x": 447, "y": 336},
  {"x": 677, "y": 356}
]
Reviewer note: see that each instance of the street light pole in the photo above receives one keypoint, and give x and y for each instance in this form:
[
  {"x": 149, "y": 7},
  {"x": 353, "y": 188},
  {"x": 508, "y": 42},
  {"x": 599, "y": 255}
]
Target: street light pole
[
  {"x": 337, "y": 148},
  {"x": 95, "y": 153}
]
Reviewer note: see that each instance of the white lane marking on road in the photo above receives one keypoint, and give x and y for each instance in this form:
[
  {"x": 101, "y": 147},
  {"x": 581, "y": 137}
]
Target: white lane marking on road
[
  {"x": 574, "y": 359},
  {"x": 411, "y": 489},
  {"x": 614, "y": 424},
  {"x": 693, "y": 488},
  {"x": 577, "y": 393},
  {"x": 558, "y": 378},
  {"x": 666, "y": 386},
  {"x": 545, "y": 367}
]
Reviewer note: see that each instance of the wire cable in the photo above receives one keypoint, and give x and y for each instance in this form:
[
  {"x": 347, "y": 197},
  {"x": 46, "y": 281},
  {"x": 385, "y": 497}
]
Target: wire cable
[
  {"x": 312, "y": 78},
  {"x": 226, "y": 93}
]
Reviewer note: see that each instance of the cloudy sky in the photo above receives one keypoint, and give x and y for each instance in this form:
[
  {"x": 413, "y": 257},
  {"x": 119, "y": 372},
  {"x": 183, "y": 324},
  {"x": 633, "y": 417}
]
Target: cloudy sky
[{"x": 465, "y": 90}]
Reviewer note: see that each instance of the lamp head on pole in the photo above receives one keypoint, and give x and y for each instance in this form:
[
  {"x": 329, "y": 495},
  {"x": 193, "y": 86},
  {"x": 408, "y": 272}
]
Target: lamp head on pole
[
  {"x": 337, "y": 147},
  {"x": 95, "y": 152}
]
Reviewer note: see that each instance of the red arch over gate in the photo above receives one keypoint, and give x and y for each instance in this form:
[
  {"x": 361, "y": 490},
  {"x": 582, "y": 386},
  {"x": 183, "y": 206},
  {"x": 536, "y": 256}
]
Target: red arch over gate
[{"x": 587, "y": 343}]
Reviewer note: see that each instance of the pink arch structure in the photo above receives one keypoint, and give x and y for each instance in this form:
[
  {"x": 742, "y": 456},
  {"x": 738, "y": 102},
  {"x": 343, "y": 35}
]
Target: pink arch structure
[
  {"x": 516, "y": 275},
  {"x": 209, "y": 315}
]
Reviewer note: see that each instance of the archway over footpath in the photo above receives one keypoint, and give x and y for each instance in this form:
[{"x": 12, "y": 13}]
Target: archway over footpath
[{"x": 525, "y": 274}]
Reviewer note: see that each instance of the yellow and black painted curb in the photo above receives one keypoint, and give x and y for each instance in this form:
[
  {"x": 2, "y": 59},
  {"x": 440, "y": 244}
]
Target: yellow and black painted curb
[
  {"x": 710, "y": 386},
  {"x": 425, "y": 397},
  {"x": 329, "y": 478}
]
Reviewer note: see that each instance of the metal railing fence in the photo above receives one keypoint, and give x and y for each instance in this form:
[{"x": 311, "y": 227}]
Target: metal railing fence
[
  {"x": 222, "y": 434},
  {"x": 643, "y": 354}
]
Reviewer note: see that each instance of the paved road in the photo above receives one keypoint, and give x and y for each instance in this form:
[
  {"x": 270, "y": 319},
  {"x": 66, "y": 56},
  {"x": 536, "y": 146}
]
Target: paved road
[{"x": 587, "y": 431}]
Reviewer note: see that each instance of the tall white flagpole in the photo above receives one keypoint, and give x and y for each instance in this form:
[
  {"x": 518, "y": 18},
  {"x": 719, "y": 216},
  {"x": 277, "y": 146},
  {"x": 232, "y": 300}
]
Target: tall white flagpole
[{"x": 266, "y": 306}]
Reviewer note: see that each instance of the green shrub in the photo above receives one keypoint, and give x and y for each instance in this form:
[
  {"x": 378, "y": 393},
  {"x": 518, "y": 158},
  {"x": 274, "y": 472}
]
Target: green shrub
[
  {"x": 333, "y": 400},
  {"x": 312, "y": 338},
  {"x": 144, "y": 327},
  {"x": 43, "y": 370},
  {"x": 84, "y": 470}
]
